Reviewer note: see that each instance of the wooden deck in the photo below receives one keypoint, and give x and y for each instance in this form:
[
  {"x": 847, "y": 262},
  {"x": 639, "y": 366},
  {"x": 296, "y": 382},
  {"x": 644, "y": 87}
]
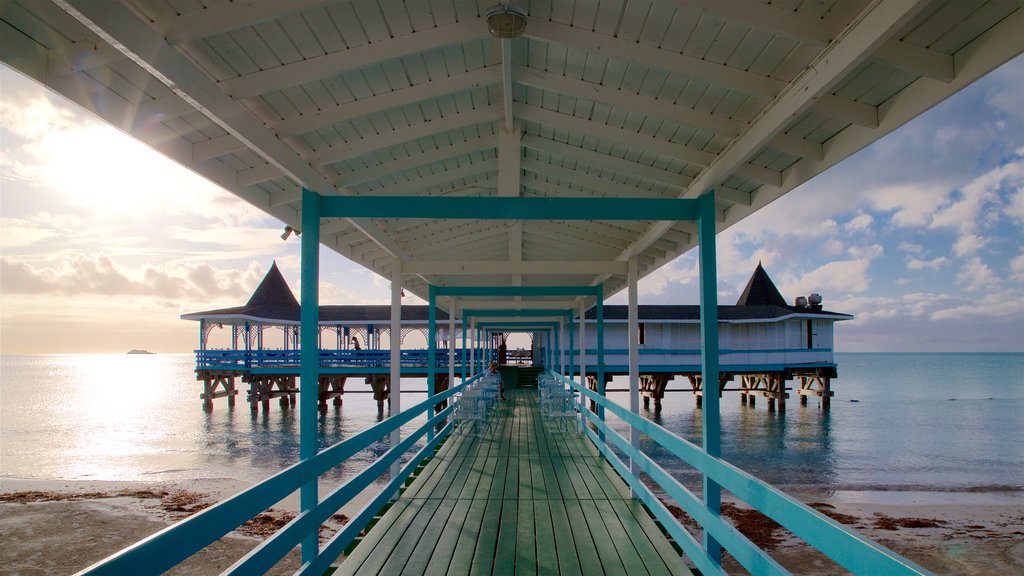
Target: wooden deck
[{"x": 521, "y": 501}]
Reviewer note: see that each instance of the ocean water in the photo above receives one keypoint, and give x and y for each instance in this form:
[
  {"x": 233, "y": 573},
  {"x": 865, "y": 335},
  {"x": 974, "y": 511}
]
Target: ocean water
[{"x": 899, "y": 422}]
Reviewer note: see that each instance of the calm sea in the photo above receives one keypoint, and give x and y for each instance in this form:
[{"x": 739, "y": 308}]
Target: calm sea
[{"x": 919, "y": 422}]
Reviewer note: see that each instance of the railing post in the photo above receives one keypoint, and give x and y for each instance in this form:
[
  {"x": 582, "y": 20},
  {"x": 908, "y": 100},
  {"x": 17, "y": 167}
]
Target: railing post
[
  {"x": 466, "y": 351},
  {"x": 711, "y": 429},
  {"x": 634, "y": 359},
  {"x": 599, "y": 293},
  {"x": 395, "y": 344},
  {"x": 309, "y": 361},
  {"x": 431, "y": 350},
  {"x": 572, "y": 349},
  {"x": 561, "y": 346},
  {"x": 451, "y": 342},
  {"x": 583, "y": 356}
]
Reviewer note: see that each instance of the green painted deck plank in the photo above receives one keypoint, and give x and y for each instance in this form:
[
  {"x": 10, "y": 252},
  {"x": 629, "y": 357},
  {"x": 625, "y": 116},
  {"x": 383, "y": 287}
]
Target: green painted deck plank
[
  {"x": 606, "y": 551},
  {"x": 483, "y": 557},
  {"x": 629, "y": 555},
  {"x": 406, "y": 545},
  {"x": 586, "y": 551},
  {"x": 526, "y": 539},
  {"x": 544, "y": 537},
  {"x": 468, "y": 541},
  {"x": 459, "y": 522},
  {"x": 564, "y": 542},
  {"x": 432, "y": 530},
  {"x": 525, "y": 500},
  {"x": 647, "y": 537},
  {"x": 397, "y": 516}
]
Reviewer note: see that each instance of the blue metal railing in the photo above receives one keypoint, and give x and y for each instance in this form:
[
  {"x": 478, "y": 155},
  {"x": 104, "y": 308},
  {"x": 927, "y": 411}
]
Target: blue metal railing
[
  {"x": 215, "y": 359},
  {"x": 170, "y": 546},
  {"x": 849, "y": 549}
]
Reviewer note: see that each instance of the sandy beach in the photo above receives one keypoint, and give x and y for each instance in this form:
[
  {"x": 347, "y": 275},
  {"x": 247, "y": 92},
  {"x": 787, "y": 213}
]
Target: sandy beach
[{"x": 87, "y": 521}]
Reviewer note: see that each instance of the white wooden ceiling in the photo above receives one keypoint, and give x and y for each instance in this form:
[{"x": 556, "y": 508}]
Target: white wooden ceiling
[{"x": 598, "y": 98}]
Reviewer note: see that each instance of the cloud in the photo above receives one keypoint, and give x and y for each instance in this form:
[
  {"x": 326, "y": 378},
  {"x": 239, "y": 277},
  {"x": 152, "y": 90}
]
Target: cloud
[
  {"x": 867, "y": 252},
  {"x": 1017, "y": 268},
  {"x": 934, "y": 264},
  {"x": 860, "y": 223},
  {"x": 88, "y": 274},
  {"x": 975, "y": 275},
  {"x": 1005, "y": 306},
  {"x": 911, "y": 247},
  {"x": 840, "y": 277}
]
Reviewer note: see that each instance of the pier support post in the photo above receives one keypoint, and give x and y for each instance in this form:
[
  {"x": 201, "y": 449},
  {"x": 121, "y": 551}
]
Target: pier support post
[
  {"x": 709, "y": 357},
  {"x": 309, "y": 363}
]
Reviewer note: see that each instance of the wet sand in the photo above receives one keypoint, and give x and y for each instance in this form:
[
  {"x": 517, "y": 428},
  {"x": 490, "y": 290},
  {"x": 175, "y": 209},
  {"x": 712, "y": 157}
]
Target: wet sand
[{"x": 59, "y": 527}]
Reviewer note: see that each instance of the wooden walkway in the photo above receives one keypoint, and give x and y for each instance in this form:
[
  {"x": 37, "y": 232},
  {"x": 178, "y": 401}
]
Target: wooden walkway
[{"x": 523, "y": 500}]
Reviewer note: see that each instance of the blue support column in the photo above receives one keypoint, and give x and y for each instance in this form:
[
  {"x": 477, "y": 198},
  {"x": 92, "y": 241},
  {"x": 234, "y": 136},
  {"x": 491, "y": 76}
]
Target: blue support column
[
  {"x": 431, "y": 349},
  {"x": 711, "y": 429},
  {"x": 465, "y": 351},
  {"x": 600, "y": 349},
  {"x": 309, "y": 355},
  {"x": 572, "y": 350}
]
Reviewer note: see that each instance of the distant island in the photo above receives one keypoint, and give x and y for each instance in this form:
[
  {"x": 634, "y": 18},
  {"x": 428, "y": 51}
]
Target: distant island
[{"x": 137, "y": 351}]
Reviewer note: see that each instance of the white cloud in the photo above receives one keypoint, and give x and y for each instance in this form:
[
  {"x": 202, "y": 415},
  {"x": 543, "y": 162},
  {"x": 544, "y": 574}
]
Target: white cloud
[
  {"x": 860, "y": 223},
  {"x": 867, "y": 252},
  {"x": 840, "y": 277},
  {"x": 911, "y": 247},
  {"x": 1017, "y": 268},
  {"x": 911, "y": 204},
  {"x": 968, "y": 244},
  {"x": 975, "y": 275},
  {"x": 1005, "y": 306},
  {"x": 934, "y": 264}
]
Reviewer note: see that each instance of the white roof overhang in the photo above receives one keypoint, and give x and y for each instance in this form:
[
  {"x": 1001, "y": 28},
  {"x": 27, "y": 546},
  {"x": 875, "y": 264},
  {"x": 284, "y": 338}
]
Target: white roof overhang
[{"x": 661, "y": 99}]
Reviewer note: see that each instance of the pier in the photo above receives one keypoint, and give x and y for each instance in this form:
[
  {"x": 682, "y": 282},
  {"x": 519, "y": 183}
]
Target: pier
[
  {"x": 514, "y": 166},
  {"x": 766, "y": 343}
]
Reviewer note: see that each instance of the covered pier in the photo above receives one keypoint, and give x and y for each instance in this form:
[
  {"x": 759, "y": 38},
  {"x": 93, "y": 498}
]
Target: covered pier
[{"x": 514, "y": 166}]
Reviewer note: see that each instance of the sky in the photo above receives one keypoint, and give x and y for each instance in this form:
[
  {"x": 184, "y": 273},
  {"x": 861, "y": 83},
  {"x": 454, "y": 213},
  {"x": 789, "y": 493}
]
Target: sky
[{"x": 105, "y": 243}]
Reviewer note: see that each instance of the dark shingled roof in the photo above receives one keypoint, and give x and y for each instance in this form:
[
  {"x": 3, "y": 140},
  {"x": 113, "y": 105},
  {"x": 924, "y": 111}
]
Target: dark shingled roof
[
  {"x": 760, "y": 291},
  {"x": 273, "y": 300}
]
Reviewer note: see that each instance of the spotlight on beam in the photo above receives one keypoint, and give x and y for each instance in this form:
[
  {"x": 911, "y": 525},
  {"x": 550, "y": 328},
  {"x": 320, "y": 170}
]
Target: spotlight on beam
[{"x": 288, "y": 231}]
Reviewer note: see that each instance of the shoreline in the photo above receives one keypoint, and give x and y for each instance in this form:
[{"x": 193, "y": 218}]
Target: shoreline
[{"x": 953, "y": 532}]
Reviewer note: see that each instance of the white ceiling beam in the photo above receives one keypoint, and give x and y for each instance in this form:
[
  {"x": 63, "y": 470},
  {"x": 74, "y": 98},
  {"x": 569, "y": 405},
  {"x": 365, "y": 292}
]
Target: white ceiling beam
[
  {"x": 598, "y": 183},
  {"x": 213, "y": 20},
  {"x": 461, "y": 148},
  {"x": 506, "y": 82},
  {"x": 845, "y": 109},
  {"x": 906, "y": 56},
  {"x": 821, "y": 31},
  {"x": 330, "y": 227},
  {"x": 796, "y": 146},
  {"x": 427, "y": 251},
  {"x": 122, "y": 28},
  {"x": 80, "y": 57},
  {"x": 405, "y": 134},
  {"x": 287, "y": 196},
  {"x": 418, "y": 185},
  {"x": 855, "y": 44},
  {"x": 488, "y": 267},
  {"x": 505, "y": 303},
  {"x": 337, "y": 63},
  {"x": 509, "y": 158},
  {"x": 621, "y": 165},
  {"x": 618, "y": 135},
  {"x": 732, "y": 195},
  {"x": 652, "y": 57},
  {"x": 170, "y": 106},
  {"x": 326, "y": 117},
  {"x": 258, "y": 174},
  {"x": 627, "y": 100},
  {"x": 217, "y": 147}
]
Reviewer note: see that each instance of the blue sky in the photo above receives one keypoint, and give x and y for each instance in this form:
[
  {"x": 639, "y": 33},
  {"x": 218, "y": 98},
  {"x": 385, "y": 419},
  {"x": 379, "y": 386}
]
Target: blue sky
[{"x": 104, "y": 243}]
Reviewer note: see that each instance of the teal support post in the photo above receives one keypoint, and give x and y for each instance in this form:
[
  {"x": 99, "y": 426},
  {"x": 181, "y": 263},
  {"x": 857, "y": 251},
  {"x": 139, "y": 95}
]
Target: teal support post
[
  {"x": 600, "y": 350},
  {"x": 711, "y": 430},
  {"x": 309, "y": 356},
  {"x": 465, "y": 351},
  {"x": 431, "y": 349},
  {"x": 572, "y": 351}
]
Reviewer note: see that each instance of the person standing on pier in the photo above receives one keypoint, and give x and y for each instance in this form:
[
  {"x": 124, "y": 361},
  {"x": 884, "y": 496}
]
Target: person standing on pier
[{"x": 493, "y": 370}]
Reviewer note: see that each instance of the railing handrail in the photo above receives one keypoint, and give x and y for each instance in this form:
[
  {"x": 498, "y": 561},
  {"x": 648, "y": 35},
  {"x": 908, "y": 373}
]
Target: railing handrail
[
  {"x": 851, "y": 550},
  {"x": 170, "y": 546}
]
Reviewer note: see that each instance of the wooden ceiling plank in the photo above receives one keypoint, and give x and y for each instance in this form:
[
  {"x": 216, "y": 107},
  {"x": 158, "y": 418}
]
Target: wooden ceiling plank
[
  {"x": 336, "y": 63},
  {"x": 395, "y": 99}
]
